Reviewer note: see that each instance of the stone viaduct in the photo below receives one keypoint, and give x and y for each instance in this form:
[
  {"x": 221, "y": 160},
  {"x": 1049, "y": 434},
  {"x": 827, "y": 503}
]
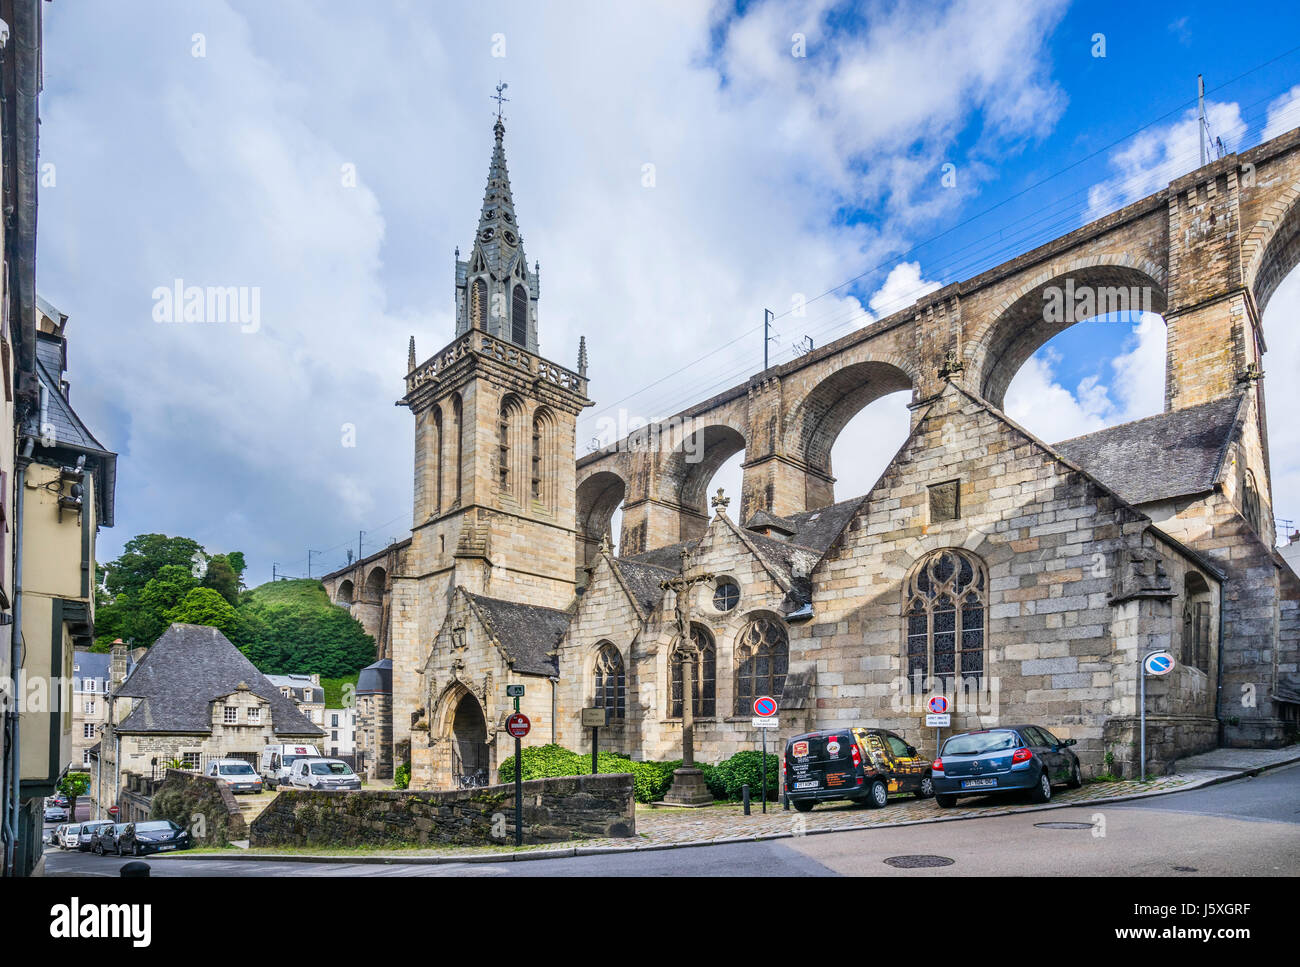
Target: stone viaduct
[{"x": 1207, "y": 252}]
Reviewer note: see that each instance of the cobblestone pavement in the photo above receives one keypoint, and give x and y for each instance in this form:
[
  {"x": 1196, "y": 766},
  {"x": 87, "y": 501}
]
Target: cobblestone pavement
[{"x": 1231, "y": 760}]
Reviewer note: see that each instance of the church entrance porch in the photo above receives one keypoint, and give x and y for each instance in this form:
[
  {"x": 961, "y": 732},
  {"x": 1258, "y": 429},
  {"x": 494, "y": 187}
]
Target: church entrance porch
[{"x": 470, "y": 762}]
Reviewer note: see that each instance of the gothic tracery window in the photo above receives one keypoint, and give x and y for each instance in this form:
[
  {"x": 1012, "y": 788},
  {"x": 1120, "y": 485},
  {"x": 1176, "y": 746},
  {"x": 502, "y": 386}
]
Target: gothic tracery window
[
  {"x": 611, "y": 682},
  {"x": 762, "y": 659},
  {"x": 703, "y": 676},
  {"x": 944, "y": 610},
  {"x": 1250, "y": 501}
]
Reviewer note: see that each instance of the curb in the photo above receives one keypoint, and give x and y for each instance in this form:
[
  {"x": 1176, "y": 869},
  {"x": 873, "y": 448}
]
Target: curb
[{"x": 569, "y": 851}]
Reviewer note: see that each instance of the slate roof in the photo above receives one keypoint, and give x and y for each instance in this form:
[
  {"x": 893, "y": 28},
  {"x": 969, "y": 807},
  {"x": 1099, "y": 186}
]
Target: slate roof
[
  {"x": 1168, "y": 455},
  {"x": 185, "y": 671},
  {"x": 666, "y": 558},
  {"x": 818, "y": 529},
  {"x": 376, "y": 678},
  {"x": 91, "y": 666},
  {"x": 302, "y": 684},
  {"x": 69, "y": 431},
  {"x": 643, "y": 581},
  {"x": 528, "y": 633}
]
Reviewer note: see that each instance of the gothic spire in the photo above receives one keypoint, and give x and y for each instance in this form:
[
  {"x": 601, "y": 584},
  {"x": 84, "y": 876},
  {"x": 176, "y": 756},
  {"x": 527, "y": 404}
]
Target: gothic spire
[
  {"x": 410, "y": 356},
  {"x": 498, "y": 232}
]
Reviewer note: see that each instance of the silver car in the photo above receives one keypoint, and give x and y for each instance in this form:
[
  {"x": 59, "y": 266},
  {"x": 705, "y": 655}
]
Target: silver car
[{"x": 324, "y": 774}]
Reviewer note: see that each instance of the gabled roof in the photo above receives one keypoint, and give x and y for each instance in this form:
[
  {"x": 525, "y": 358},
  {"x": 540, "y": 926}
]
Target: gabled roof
[
  {"x": 529, "y": 634},
  {"x": 186, "y": 670},
  {"x": 70, "y": 433},
  {"x": 642, "y": 581},
  {"x": 1175, "y": 454},
  {"x": 307, "y": 691}
]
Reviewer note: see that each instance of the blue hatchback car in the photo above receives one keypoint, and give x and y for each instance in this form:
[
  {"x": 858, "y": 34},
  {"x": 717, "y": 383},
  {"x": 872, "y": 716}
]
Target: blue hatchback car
[{"x": 1018, "y": 758}]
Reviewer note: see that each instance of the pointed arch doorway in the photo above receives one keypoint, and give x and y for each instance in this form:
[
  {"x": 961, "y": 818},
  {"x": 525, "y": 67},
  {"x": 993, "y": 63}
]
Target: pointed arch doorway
[{"x": 470, "y": 761}]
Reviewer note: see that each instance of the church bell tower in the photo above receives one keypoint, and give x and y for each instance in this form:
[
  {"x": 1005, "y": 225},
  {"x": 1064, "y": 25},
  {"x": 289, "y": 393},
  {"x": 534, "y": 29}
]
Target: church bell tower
[{"x": 495, "y": 426}]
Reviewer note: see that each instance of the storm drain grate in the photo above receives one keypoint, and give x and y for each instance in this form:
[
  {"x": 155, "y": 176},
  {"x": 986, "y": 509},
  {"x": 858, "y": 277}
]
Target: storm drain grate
[
  {"x": 1064, "y": 825},
  {"x": 919, "y": 861},
  {"x": 1184, "y": 869}
]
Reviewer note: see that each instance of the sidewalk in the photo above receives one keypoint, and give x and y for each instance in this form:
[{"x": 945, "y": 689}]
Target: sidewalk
[{"x": 726, "y": 822}]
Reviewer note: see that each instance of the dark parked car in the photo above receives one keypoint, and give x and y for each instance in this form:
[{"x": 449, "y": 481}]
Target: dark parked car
[
  {"x": 108, "y": 838},
  {"x": 153, "y": 836},
  {"x": 1019, "y": 758},
  {"x": 863, "y": 765},
  {"x": 86, "y": 837}
]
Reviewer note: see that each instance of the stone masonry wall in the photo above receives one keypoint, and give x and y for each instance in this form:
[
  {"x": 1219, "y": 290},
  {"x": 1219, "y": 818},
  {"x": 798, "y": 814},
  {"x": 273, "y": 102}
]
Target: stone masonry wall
[
  {"x": 202, "y": 805},
  {"x": 555, "y": 810}
]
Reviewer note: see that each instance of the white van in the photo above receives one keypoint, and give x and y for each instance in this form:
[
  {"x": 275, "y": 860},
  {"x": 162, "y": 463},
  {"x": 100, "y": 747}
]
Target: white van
[{"x": 277, "y": 761}]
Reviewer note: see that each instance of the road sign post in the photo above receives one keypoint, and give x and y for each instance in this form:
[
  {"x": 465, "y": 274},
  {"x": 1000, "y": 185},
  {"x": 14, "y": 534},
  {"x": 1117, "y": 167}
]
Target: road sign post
[
  {"x": 519, "y": 726},
  {"x": 765, "y": 710},
  {"x": 594, "y": 718},
  {"x": 1155, "y": 663},
  {"x": 938, "y": 718}
]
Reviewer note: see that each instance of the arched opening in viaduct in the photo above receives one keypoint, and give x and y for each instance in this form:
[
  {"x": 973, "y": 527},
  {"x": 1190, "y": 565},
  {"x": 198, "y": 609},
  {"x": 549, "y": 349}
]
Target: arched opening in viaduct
[
  {"x": 375, "y": 581},
  {"x": 344, "y": 594},
  {"x": 690, "y": 468},
  {"x": 1052, "y": 306},
  {"x": 599, "y": 499}
]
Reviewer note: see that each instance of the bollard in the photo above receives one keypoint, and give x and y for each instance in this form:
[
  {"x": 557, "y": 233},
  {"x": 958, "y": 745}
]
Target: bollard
[
  {"x": 135, "y": 868},
  {"x": 744, "y": 795}
]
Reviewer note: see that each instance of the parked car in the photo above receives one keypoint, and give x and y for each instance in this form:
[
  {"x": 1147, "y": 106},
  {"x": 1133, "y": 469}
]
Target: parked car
[
  {"x": 56, "y": 814},
  {"x": 153, "y": 836},
  {"x": 1019, "y": 758},
  {"x": 237, "y": 774},
  {"x": 324, "y": 774},
  {"x": 47, "y": 837},
  {"x": 863, "y": 765},
  {"x": 68, "y": 835},
  {"x": 86, "y": 836},
  {"x": 276, "y": 763},
  {"x": 108, "y": 838}
]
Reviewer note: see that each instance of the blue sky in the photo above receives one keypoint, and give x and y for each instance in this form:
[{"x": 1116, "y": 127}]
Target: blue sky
[{"x": 774, "y": 176}]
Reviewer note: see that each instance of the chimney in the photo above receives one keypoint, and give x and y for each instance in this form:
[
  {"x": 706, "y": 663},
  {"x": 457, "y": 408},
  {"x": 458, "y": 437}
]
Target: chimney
[{"x": 117, "y": 665}]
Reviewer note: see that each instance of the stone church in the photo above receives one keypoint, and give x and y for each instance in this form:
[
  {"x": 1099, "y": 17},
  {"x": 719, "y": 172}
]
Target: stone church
[{"x": 1023, "y": 580}]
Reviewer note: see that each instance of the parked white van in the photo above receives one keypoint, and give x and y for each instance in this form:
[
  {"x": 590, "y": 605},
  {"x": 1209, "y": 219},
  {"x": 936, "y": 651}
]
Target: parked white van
[
  {"x": 324, "y": 774},
  {"x": 276, "y": 763}
]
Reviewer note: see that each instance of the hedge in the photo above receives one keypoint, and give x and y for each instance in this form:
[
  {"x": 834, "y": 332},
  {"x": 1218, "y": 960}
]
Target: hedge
[{"x": 651, "y": 779}]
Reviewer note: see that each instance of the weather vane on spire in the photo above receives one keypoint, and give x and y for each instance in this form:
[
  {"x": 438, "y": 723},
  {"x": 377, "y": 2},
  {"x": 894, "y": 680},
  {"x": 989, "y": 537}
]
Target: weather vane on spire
[{"x": 499, "y": 98}]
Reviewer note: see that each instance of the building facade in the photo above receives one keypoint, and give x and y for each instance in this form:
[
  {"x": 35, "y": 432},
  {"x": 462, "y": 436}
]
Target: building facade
[{"x": 1021, "y": 579}]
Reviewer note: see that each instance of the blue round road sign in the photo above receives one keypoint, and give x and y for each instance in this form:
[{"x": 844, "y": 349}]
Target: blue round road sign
[
  {"x": 1160, "y": 663},
  {"x": 765, "y": 707},
  {"x": 938, "y": 705}
]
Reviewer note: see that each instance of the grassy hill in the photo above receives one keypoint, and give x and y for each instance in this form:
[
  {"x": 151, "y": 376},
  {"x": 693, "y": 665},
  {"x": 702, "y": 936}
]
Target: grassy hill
[{"x": 293, "y": 627}]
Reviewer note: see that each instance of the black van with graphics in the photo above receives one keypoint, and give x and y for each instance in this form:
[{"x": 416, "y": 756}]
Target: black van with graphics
[{"x": 862, "y": 765}]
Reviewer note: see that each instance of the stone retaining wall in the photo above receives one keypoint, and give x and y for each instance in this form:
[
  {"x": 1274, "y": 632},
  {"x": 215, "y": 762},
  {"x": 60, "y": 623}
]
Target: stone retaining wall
[
  {"x": 578, "y": 807},
  {"x": 203, "y": 806}
]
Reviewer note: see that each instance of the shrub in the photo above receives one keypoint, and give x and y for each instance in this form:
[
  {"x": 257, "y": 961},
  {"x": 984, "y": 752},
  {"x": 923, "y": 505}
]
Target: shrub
[
  {"x": 402, "y": 776},
  {"x": 745, "y": 768},
  {"x": 650, "y": 779}
]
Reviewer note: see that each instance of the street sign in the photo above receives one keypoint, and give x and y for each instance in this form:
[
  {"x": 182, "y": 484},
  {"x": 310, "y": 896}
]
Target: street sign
[
  {"x": 514, "y": 691},
  {"x": 112, "y": 810},
  {"x": 593, "y": 718},
  {"x": 938, "y": 705},
  {"x": 938, "y": 720},
  {"x": 765, "y": 706},
  {"x": 1159, "y": 663},
  {"x": 761, "y": 722},
  {"x": 518, "y": 725}
]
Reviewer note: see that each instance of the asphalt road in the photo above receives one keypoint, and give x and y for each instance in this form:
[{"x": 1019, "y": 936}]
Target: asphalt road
[{"x": 1248, "y": 827}]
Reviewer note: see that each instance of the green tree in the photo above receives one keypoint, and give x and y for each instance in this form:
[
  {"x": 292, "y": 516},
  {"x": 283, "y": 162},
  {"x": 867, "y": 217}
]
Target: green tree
[
  {"x": 73, "y": 785},
  {"x": 293, "y": 627},
  {"x": 203, "y": 606},
  {"x": 221, "y": 577},
  {"x": 144, "y": 556}
]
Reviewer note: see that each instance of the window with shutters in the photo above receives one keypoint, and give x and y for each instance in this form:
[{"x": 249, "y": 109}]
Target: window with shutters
[{"x": 519, "y": 317}]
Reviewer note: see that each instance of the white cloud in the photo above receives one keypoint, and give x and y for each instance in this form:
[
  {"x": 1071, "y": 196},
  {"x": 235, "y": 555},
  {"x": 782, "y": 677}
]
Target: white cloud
[
  {"x": 226, "y": 170},
  {"x": 1152, "y": 159},
  {"x": 1283, "y": 114}
]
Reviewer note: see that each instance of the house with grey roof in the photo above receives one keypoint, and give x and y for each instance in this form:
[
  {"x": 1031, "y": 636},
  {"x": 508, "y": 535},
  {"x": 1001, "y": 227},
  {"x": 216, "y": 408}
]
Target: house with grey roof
[{"x": 193, "y": 697}]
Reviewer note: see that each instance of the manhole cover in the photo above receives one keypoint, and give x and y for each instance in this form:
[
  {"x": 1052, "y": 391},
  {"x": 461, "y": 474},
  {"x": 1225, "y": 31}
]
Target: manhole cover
[
  {"x": 1064, "y": 825},
  {"x": 1184, "y": 869},
  {"x": 919, "y": 862}
]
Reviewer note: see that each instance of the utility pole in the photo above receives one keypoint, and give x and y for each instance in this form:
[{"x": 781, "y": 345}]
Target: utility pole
[
  {"x": 360, "y": 535},
  {"x": 274, "y": 565},
  {"x": 1200, "y": 104},
  {"x": 309, "y": 554},
  {"x": 767, "y": 333}
]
